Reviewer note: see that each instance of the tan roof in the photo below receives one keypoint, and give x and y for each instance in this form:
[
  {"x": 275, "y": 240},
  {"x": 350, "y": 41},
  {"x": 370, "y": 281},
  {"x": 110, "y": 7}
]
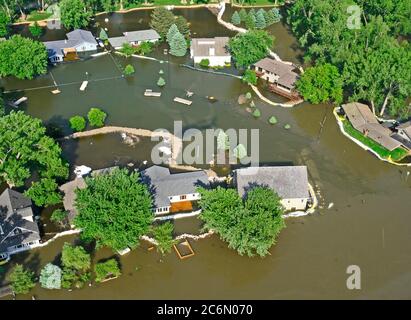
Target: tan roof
[
  {"x": 363, "y": 120},
  {"x": 201, "y": 46},
  {"x": 286, "y": 76},
  {"x": 70, "y": 196}
]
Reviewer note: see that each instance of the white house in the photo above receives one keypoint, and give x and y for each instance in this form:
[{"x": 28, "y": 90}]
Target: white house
[
  {"x": 215, "y": 50},
  {"x": 173, "y": 192},
  {"x": 289, "y": 182},
  {"x": 134, "y": 38},
  {"x": 18, "y": 231},
  {"x": 77, "y": 41}
]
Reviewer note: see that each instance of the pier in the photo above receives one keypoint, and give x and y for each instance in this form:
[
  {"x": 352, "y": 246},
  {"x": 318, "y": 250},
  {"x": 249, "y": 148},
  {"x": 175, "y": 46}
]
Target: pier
[{"x": 183, "y": 101}]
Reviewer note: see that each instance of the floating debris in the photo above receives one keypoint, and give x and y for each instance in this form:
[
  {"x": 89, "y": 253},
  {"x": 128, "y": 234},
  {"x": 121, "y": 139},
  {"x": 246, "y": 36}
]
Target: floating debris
[
  {"x": 183, "y": 101},
  {"x": 84, "y": 85},
  {"x": 57, "y": 91},
  {"x": 330, "y": 205},
  {"x": 81, "y": 171}
]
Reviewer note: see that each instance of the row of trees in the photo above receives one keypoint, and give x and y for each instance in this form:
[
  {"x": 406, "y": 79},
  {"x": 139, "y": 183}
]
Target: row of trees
[
  {"x": 372, "y": 58},
  {"x": 256, "y": 19},
  {"x": 96, "y": 118},
  {"x": 73, "y": 271}
]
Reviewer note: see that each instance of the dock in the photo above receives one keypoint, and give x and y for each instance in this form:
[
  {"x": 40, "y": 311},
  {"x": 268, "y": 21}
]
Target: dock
[
  {"x": 16, "y": 103},
  {"x": 183, "y": 101},
  {"x": 84, "y": 85},
  {"x": 151, "y": 93}
]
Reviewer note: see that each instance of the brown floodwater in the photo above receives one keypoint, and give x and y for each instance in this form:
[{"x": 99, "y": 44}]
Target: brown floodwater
[{"x": 368, "y": 224}]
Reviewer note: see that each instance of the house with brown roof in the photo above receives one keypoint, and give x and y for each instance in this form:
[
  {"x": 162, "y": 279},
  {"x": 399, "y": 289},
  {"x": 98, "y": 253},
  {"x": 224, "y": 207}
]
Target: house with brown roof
[
  {"x": 363, "y": 120},
  {"x": 215, "y": 50},
  {"x": 403, "y": 134},
  {"x": 280, "y": 75}
]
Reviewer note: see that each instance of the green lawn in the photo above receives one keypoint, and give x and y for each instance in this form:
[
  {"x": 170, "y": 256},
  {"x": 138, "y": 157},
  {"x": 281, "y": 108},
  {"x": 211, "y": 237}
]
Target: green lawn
[
  {"x": 37, "y": 16},
  {"x": 395, "y": 155},
  {"x": 258, "y": 2}
]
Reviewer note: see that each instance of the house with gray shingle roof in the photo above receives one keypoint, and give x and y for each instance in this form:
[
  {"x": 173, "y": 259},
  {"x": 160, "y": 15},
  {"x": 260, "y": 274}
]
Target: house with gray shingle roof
[
  {"x": 134, "y": 38},
  {"x": 18, "y": 230},
  {"x": 289, "y": 182},
  {"x": 215, "y": 50},
  {"x": 77, "y": 41},
  {"x": 403, "y": 134},
  {"x": 176, "y": 192}
]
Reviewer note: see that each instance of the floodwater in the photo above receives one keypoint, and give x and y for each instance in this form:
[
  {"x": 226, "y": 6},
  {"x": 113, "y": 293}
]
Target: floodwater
[{"x": 368, "y": 224}]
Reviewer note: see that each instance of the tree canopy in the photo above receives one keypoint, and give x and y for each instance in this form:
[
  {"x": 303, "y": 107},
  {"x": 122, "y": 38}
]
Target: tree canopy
[
  {"x": 250, "y": 226},
  {"x": 163, "y": 234},
  {"x": 74, "y": 14},
  {"x": 118, "y": 218},
  {"x": 22, "y": 57},
  {"x": 21, "y": 280},
  {"x": 25, "y": 148},
  {"x": 50, "y": 277},
  {"x": 247, "y": 48}
]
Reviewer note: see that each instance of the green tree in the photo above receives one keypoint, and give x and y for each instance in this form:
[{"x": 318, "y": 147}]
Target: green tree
[
  {"x": 250, "y": 226},
  {"x": 127, "y": 49},
  {"x": 35, "y": 30},
  {"x": 21, "y": 280},
  {"x": 321, "y": 83},
  {"x": 22, "y": 57},
  {"x": 172, "y": 32},
  {"x": 4, "y": 23},
  {"x": 75, "y": 257},
  {"x": 161, "y": 82},
  {"x": 144, "y": 48},
  {"x": 116, "y": 219},
  {"x": 250, "y": 77},
  {"x": 44, "y": 192},
  {"x": 260, "y": 22},
  {"x": 108, "y": 269},
  {"x": 96, "y": 117},
  {"x": 163, "y": 234},
  {"x": 247, "y": 48},
  {"x": 256, "y": 113},
  {"x": 129, "y": 70},
  {"x": 235, "y": 18},
  {"x": 59, "y": 217},
  {"x": 183, "y": 26},
  {"x": 24, "y": 149},
  {"x": 74, "y": 14},
  {"x": 108, "y": 5},
  {"x": 242, "y": 14},
  {"x": 50, "y": 277},
  {"x": 2, "y": 105},
  {"x": 77, "y": 123},
  {"x": 178, "y": 45},
  {"x": 250, "y": 20},
  {"x": 161, "y": 20}
]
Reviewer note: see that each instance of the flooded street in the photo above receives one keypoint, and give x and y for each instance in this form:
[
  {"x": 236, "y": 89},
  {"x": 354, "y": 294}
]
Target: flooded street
[{"x": 368, "y": 224}]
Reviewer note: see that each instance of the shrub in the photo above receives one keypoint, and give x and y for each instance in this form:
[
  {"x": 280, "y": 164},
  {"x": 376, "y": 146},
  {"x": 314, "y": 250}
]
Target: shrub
[
  {"x": 272, "y": 120},
  {"x": 127, "y": 49},
  {"x": 287, "y": 126},
  {"x": 96, "y": 117},
  {"x": 50, "y": 277},
  {"x": 248, "y": 95},
  {"x": 250, "y": 77},
  {"x": 103, "y": 270},
  {"x": 35, "y": 30},
  {"x": 22, "y": 281},
  {"x": 77, "y": 123},
  {"x": 161, "y": 82},
  {"x": 129, "y": 70},
  {"x": 205, "y": 63},
  {"x": 144, "y": 48},
  {"x": 257, "y": 113},
  {"x": 75, "y": 257},
  {"x": 163, "y": 234},
  {"x": 59, "y": 216}
]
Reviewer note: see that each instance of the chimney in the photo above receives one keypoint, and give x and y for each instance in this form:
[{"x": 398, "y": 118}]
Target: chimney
[{"x": 212, "y": 52}]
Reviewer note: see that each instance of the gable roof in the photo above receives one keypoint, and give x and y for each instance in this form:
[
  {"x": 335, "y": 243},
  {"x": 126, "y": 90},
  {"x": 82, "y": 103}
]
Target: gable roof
[
  {"x": 117, "y": 41},
  {"x": 141, "y": 35},
  {"x": 285, "y": 72},
  {"x": 75, "y": 38},
  {"x": 406, "y": 128},
  {"x": 15, "y": 229},
  {"x": 363, "y": 120},
  {"x": 201, "y": 46},
  {"x": 163, "y": 184},
  {"x": 289, "y": 182}
]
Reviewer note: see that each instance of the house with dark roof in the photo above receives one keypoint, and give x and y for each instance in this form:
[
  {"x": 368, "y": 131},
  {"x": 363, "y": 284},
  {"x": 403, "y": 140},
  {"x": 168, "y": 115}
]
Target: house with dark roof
[
  {"x": 77, "y": 41},
  {"x": 364, "y": 121},
  {"x": 134, "y": 38},
  {"x": 176, "y": 192},
  {"x": 289, "y": 182},
  {"x": 280, "y": 75},
  {"x": 18, "y": 230},
  {"x": 215, "y": 50}
]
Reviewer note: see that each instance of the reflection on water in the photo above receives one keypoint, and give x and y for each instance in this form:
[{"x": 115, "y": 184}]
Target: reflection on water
[{"x": 367, "y": 226}]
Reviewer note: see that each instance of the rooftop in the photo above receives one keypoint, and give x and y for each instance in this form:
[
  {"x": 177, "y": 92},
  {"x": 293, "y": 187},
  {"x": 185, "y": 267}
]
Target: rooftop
[
  {"x": 284, "y": 71},
  {"x": 289, "y": 182},
  {"x": 201, "y": 46},
  {"x": 75, "y": 38},
  {"x": 163, "y": 184},
  {"x": 363, "y": 120},
  {"x": 134, "y": 36}
]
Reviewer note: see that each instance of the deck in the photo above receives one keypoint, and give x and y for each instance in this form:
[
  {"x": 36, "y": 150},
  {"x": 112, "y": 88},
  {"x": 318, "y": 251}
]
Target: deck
[
  {"x": 293, "y": 95},
  {"x": 182, "y": 206}
]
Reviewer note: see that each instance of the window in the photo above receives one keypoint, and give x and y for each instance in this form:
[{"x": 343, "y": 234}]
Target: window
[{"x": 183, "y": 197}]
